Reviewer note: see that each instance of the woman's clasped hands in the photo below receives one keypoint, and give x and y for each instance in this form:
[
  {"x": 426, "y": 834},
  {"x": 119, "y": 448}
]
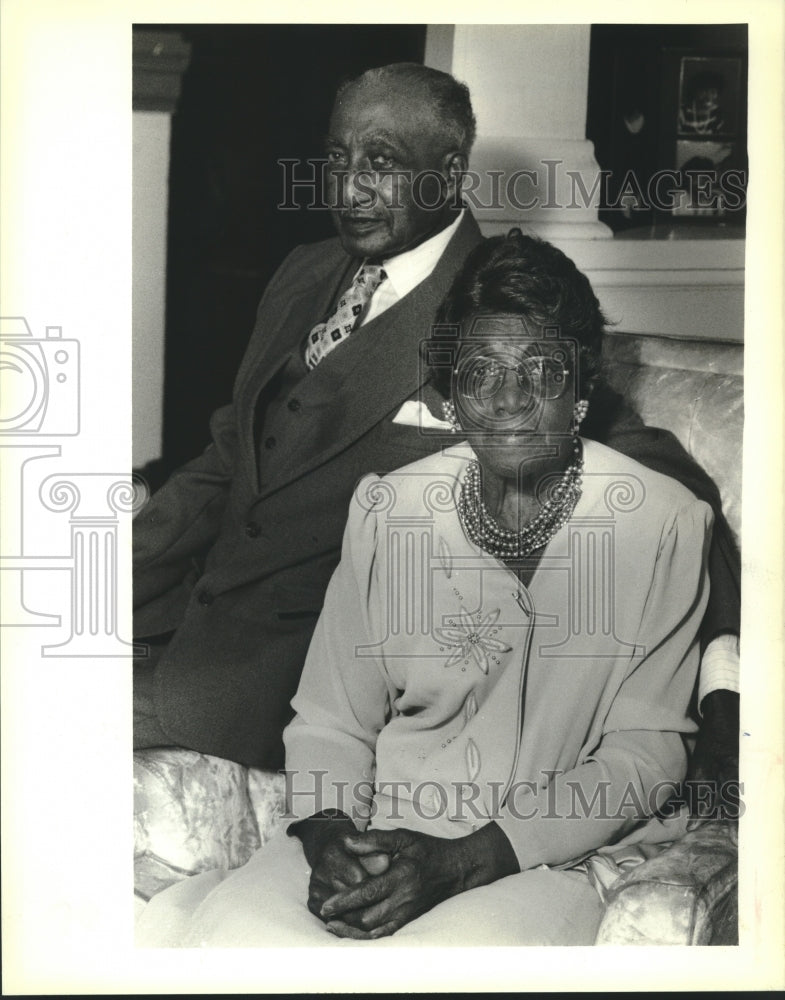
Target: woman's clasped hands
[{"x": 367, "y": 885}]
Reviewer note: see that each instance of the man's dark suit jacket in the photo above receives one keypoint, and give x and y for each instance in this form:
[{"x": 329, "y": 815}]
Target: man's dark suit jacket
[{"x": 237, "y": 568}]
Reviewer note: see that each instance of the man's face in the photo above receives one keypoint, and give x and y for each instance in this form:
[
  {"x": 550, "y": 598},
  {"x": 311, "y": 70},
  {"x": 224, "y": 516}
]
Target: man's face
[{"x": 380, "y": 143}]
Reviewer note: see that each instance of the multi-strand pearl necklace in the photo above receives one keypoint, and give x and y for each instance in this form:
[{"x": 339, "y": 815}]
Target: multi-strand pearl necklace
[{"x": 484, "y": 531}]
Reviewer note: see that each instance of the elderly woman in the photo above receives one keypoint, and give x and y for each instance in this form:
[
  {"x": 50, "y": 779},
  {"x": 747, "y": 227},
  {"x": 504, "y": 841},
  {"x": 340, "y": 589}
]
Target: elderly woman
[{"x": 498, "y": 685}]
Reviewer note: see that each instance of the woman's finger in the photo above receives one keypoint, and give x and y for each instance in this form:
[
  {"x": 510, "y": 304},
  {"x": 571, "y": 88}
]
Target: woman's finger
[
  {"x": 377, "y": 915},
  {"x": 342, "y": 930},
  {"x": 373, "y": 890},
  {"x": 372, "y": 842},
  {"x": 339, "y": 869},
  {"x": 325, "y": 882},
  {"x": 376, "y": 863},
  {"x": 386, "y": 929},
  {"x": 385, "y": 917}
]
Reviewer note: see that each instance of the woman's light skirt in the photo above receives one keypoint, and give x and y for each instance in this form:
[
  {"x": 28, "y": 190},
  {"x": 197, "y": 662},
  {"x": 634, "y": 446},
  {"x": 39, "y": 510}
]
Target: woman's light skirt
[{"x": 263, "y": 904}]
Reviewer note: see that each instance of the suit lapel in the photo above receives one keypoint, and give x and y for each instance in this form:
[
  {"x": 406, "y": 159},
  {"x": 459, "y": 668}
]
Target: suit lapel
[
  {"x": 378, "y": 367},
  {"x": 302, "y": 301}
]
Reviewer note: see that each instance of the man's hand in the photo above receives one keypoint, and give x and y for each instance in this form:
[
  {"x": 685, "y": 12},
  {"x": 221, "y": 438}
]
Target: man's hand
[
  {"x": 423, "y": 871},
  {"x": 714, "y": 765},
  {"x": 333, "y": 866}
]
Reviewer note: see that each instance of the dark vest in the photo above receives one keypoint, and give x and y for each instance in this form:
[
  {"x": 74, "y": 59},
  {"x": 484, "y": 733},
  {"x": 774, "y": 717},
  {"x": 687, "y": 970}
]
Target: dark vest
[{"x": 273, "y": 425}]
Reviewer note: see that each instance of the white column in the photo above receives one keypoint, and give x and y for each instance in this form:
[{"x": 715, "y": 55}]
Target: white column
[
  {"x": 150, "y": 205},
  {"x": 160, "y": 58},
  {"x": 529, "y": 86}
]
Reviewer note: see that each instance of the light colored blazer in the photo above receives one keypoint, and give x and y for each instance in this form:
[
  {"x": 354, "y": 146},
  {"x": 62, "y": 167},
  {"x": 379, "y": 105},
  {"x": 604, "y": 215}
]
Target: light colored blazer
[{"x": 439, "y": 693}]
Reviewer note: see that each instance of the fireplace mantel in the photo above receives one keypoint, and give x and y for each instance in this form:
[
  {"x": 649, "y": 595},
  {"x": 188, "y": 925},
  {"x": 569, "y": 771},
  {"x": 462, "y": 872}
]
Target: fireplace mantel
[{"x": 685, "y": 285}]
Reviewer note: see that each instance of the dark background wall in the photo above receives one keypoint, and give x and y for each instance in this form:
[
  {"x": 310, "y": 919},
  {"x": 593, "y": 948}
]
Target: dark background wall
[{"x": 252, "y": 94}]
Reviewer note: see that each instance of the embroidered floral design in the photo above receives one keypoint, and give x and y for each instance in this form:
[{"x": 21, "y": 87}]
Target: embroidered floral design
[
  {"x": 472, "y": 759},
  {"x": 472, "y": 638}
]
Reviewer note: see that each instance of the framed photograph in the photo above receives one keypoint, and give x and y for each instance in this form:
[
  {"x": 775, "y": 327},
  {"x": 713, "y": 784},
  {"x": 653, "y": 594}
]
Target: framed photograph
[
  {"x": 709, "y": 95},
  {"x": 703, "y": 134},
  {"x": 668, "y": 114}
]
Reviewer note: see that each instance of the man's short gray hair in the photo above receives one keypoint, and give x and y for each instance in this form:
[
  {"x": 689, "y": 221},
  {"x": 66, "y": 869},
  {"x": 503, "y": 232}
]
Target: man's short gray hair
[{"x": 452, "y": 106}]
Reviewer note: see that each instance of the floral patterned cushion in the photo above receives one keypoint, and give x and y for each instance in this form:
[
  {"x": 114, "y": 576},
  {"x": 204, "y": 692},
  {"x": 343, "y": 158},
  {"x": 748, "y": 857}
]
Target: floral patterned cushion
[
  {"x": 695, "y": 389},
  {"x": 193, "y": 813},
  {"x": 267, "y": 794},
  {"x": 687, "y": 895}
]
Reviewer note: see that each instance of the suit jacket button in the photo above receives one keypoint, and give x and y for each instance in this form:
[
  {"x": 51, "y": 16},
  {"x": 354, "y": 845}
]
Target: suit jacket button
[
  {"x": 294, "y": 405},
  {"x": 269, "y": 443},
  {"x": 252, "y": 529},
  {"x": 206, "y": 598}
]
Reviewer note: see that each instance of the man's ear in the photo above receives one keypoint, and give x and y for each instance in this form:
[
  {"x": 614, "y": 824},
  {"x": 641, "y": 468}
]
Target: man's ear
[{"x": 454, "y": 166}]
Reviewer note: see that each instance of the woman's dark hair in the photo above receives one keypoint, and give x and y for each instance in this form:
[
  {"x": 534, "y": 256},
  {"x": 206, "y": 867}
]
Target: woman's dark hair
[{"x": 524, "y": 276}]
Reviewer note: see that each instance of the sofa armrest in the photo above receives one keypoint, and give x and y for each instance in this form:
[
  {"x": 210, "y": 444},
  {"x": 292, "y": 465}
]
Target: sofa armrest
[
  {"x": 193, "y": 813},
  {"x": 686, "y": 895}
]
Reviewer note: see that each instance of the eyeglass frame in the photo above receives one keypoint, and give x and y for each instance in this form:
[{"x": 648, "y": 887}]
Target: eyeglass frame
[{"x": 460, "y": 374}]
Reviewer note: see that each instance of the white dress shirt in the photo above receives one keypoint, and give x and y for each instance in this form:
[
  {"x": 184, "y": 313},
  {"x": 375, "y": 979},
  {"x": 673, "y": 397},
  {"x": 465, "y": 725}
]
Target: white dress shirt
[
  {"x": 720, "y": 666},
  {"x": 407, "y": 270}
]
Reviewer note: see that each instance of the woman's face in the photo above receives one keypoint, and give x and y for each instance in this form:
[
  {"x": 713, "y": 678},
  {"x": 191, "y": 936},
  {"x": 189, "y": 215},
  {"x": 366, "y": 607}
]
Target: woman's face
[{"x": 514, "y": 395}]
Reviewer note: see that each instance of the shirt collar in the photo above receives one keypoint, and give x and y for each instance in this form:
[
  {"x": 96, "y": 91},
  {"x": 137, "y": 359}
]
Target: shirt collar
[{"x": 406, "y": 270}]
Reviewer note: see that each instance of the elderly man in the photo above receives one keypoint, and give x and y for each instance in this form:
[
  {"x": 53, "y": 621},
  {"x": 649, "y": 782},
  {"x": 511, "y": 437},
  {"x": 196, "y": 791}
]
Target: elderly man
[{"x": 233, "y": 555}]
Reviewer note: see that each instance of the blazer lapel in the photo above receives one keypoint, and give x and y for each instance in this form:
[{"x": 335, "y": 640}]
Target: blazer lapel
[
  {"x": 379, "y": 366},
  {"x": 300, "y": 305}
]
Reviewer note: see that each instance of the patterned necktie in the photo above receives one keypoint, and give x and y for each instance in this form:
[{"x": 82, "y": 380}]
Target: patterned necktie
[{"x": 326, "y": 336}]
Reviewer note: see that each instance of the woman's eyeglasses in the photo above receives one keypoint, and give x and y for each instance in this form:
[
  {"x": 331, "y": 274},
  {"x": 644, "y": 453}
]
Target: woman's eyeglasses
[{"x": 540, "y": 378}]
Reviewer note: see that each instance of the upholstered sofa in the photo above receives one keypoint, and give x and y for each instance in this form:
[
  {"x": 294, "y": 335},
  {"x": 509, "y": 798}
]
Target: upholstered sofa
[{"x": 193, "y": 812}]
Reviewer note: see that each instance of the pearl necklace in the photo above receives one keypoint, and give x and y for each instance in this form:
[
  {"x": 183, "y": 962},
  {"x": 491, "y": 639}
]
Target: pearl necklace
[{"x": 485, "y": 532}]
